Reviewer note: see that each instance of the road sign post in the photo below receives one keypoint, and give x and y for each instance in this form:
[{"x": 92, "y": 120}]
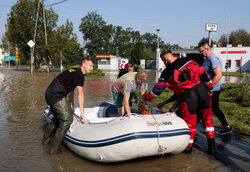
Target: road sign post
[
  {"x": 31, "y": 44},
  {"x": 211, "y": 27}
]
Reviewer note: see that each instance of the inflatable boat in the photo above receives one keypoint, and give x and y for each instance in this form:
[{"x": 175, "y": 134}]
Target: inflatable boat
[{"x": 104, "y": 137}]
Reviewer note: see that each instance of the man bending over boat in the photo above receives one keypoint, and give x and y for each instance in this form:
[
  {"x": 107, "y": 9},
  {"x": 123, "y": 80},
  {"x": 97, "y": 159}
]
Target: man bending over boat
[
  {"x": 123, "y": 90},
  {"x": 192, "y": 85},
  {"x": 62, "y": 107}
]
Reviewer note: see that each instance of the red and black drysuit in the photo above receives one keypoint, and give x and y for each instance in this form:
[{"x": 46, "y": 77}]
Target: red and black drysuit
[{"x": 191, "y": 84}]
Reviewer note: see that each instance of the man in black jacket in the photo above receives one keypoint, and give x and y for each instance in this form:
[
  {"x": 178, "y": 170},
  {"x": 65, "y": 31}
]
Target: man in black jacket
[{"x": 62, "y": 107}]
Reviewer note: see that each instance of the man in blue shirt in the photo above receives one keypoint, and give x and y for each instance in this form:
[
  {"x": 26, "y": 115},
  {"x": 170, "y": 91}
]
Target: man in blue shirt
[{"x": 213, "y": 66}]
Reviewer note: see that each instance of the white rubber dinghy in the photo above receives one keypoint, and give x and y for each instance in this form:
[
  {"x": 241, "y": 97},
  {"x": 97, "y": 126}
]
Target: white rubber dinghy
[{"x": 114, "y": 139}]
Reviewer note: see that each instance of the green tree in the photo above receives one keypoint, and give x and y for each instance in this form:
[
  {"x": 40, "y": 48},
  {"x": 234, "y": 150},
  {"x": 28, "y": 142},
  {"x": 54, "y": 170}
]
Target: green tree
[
  {"x": 138, "y": 53},
  {"x": 91, "y": 26},
  {"x": 20, "y": 29},
  {"x": 206, "y": 40},
  {"x": 122, "y": 41},
  {"x": 101, "y": 38},
  {"x": 223, "y": 40},
  {"x": 20, "y": 26},
  {"x": 64, "y": 47},
  {"x": 108, "y": 39},
  {"x": 239, "y": 37},
  {"x": 235, "y": 38},
  {"x": 150, "y": 40}
]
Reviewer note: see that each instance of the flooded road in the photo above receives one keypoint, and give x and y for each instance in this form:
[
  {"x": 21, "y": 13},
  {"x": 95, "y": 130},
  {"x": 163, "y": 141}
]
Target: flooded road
[{"x": 21, "y": 125}]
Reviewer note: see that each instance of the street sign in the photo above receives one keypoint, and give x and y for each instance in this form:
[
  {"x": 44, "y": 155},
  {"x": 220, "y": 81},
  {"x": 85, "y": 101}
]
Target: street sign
[
  {"x": 8, "y": 58},
  {"x": 13, "y": 58},
  {"x": 211, "y": 27},
  {"x": 31, "y": 43}
]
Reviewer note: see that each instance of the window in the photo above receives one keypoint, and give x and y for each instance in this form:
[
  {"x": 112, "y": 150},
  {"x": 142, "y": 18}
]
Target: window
[
  {"x": 228, "y": 64},
  {"x": 104, "y": 61},
  {"x": 237, "y": 63}
]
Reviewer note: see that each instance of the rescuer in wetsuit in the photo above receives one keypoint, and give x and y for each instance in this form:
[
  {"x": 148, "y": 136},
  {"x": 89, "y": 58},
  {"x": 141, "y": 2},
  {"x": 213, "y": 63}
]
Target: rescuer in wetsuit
[{"x": 192, "y": 87}]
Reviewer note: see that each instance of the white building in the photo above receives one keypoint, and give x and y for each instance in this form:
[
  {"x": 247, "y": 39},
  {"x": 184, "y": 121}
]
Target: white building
[
  {"x": 2, "y": 54},
  {"x": 237, "y": 58},
  {"x": 142, "y": 63},
  {"x": 110, "y": 62}
]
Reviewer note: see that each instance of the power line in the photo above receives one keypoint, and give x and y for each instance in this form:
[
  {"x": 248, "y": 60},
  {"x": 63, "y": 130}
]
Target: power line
[
  {"x": 56, "y": 3},
  {"x": 44, "y": 6}
]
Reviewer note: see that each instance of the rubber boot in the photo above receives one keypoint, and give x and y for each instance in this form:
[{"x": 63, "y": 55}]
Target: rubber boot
[
  {"x": 50, "y": 129},
  {"x": 211, "y": 146},
  {"x": 188, "y": 150},
  {"x": 57, "y": 140},
  {"x": 64, "y": 113}
]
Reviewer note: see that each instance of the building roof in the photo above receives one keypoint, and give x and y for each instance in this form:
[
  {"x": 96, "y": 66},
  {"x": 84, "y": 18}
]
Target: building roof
[{"x": 105, "y": 56}]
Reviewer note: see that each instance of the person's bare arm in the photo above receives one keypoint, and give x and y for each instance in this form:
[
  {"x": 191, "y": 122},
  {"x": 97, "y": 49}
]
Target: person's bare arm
[
  {"x": 81, "y": 102},
  {"x": 143, "y": 91},
  {"x": 126, "y": 105},
  {"x": 217, "y": 76}
]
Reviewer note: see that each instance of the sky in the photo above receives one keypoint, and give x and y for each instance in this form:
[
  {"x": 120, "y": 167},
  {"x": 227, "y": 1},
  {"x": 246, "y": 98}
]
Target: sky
[{"x": 180, "y": 21}]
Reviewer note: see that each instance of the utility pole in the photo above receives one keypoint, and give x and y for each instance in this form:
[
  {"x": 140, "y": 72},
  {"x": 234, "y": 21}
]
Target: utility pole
[
  {"x": 34, "y": 39},
  {"x": 209, "y": 38},
  {"x": 45, "y": 36}
]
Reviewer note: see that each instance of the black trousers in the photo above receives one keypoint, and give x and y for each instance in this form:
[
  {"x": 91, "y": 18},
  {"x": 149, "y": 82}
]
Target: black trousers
[{"x": 216, "y": 109}]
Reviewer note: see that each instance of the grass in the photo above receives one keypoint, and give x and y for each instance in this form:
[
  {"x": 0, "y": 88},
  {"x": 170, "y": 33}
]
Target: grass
[
  {"x": 234, "y": 102},
  {"x": 242, "y": 74}
]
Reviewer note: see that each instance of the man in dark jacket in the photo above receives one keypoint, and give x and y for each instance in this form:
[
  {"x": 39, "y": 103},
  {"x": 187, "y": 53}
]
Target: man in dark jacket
[{"x": 129, "y": 67}]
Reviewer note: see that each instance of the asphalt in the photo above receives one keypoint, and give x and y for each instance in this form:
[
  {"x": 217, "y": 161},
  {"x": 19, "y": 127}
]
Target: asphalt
[{"x": 233, "y": 150}]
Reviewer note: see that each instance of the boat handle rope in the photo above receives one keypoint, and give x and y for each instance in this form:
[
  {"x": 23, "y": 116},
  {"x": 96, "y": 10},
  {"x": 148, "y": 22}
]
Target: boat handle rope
[
  {"x": 134, "y": 114},
  {"x": 161, "y": 147}
]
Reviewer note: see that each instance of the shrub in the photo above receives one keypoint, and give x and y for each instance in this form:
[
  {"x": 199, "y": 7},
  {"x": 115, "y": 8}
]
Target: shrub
[{"x": 96, "y": 72}]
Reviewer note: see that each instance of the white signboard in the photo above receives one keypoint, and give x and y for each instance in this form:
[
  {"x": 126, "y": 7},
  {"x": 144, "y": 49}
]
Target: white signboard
[
  {"x": 211, "y": 27},
  {"x": 31, "y": 43}
]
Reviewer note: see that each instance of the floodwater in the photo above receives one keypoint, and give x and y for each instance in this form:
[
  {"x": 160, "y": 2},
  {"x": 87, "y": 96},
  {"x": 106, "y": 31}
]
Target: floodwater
[{"x": 21, "y": 125}]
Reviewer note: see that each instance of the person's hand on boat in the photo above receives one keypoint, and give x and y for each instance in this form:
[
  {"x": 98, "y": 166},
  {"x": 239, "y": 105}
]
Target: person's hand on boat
[
  {"x": 129, "y": 115},
  {"x": 82, "y": 117},
  {"x": 168, "y": 113}
]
